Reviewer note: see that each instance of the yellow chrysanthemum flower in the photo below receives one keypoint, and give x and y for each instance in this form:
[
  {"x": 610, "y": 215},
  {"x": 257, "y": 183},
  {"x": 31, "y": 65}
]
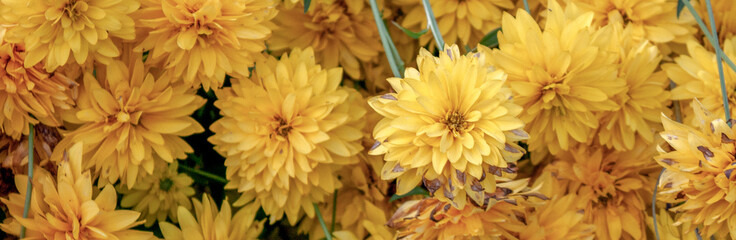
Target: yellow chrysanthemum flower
[
  {"x": 202, "y": 40},
  {"x": 449, "y": 123},
  {"x": 29, "y": 95},
  {"x": 430, "y": 218},
  {"x": 461, "y": 22},
  {"x": 558, "y": 219},
  {"x": 159, "y": 195},
  {"x": 342, "y": 33},
  {"x": 610, "y": 183},
  {"x": 699, "y": 172},
  {"x": 645, "y": 97},
  {"x": 126, "y": 115},
  {"x": 286, "y": 131},
  {"x": 63, "y": 208},
  {"x": 667, "y": 229},
  {"x": 211, "y": 224},
  {"x": 653, "y": 20},
  {"x": 54, "y": 29},
  {"x": 559, "y": 75},
  {"x": 696, "y": 76},
  {"x": 724, "y": 12}
]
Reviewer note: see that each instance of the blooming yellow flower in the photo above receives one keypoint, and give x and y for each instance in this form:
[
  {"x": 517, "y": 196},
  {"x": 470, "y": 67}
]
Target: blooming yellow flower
[
  {"x": 696, "y": 76},
  {"x": 558, "y": 75},
  {"x": 699, "y": 172},
  {"x": 645, "y": 97},
  {"x": 342, "y": 33},
  {"x": 430, "y": 218},
  {"x": 159, "y": 195},
  {"x": 610, "y": 183},
  {"x": 461, "y": 22},
  {"x": 54, "y": 29},
  {"x": 560, "y": 218},
  {"x": 202, "y": 40},
  {"x": 653, "y": 20},
  {"x": 286, "y": 131},
  {"x": 211, "y": 224},
  {"x": 29, "y": 94},
  {"x": 64, "y": 208},
  {"x": 667, "y": 228},
  {"x": 126, "y": 115},
  {"x": 449, "y": 123}
]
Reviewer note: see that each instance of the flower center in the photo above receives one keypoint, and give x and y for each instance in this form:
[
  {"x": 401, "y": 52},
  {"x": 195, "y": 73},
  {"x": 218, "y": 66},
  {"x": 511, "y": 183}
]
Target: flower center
[
  {"x": 74, "y": 8},
  {"x": 283, "y": 128},
  {"x": 455, "y": 121},
  {"x": 165, "y": 184},
  {"x": 123, "y": 117}
]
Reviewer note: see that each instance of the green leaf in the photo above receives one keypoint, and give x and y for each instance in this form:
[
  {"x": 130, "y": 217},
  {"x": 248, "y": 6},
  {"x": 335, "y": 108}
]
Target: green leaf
[
  {"x": 491, "y": 39},
  {"x": 680, "y": 6},
  {"x": 306, "y": 5},
  {"x": 411, "y": 34},
  {"x": 415, "y": 191}
]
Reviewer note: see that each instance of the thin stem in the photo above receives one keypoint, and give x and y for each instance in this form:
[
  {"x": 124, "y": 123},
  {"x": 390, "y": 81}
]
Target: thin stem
[
  {"x": 328, "y": 235},
  {"x": 719, "y": 60},
  {"x": 388, "y": 45},
  {"x": 526, "y": 6},
  {"x": 676, "y": 105},
  {"x": 207, "y": 175},
  {"x": 707, "y": 33},
  {"x": 29, "y": 184},
  {"x": 432, "y": 22},
  {"x": 334, "y": 211}
]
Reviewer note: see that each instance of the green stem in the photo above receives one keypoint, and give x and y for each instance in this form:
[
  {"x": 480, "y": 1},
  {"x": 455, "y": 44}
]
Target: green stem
[
  {"x": 526, "y": 6},
  {"x": 334, "y": 211},
  {"x": 719, "y": 60},
  {"x": 654, "y": 206},
  {"x": 707, "y": 33},
  {"x": 388, "y": 44},
  {"x": 29, "y": 185},
  {"x": 328, "y": 235},
  {"x": 207, "y": 175},
  {"x": 432, "y": 22}
]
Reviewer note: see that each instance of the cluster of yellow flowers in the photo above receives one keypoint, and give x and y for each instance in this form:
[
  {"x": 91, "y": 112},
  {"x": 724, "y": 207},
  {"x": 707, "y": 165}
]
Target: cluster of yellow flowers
[{"x": 246, "y": 119}]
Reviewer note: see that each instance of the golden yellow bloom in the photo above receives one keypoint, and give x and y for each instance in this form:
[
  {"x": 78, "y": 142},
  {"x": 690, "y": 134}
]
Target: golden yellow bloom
[
  {"x": 449, "y": 123},
  {"x": 29, "y": 94},
  {"x": 211, "y": 224},
  {"x": 667, "y": 228},
  {"x": 341, "y": 33},
  {"x": 697, "y": 76},
  {"x": 461, "y": 22},
  {"x": 430, "y": 218},
  {"x": 286, "y": 131},
  {"x": 159, "y": 195},
  {"x": 126, "y": 115},
  {"x": 645, "y": 97},
  {"x": 560, "y": 218},
  {"x": 610, "y": 183},
  {"x": 54, "y": 29},
  {"x": 559, "y": 75},
  {"x": 202, "y": 40},
  {"x": 724, "y": 12},
  {"x": 653, "y": 20},
  {"x": 63, "y": 208},
  {"x": 699, "y": 172}
]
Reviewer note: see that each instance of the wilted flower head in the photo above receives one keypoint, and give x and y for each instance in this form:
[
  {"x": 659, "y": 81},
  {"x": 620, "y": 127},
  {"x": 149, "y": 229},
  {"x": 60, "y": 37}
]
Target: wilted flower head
[
  {"x": 202, "y": 40},
  {"x": 699, "y": 165},
  {"x": 342, "y": 33},
  {"x": 450, "y": 125},
  {"x": 211, "y": 224},
  {"x": 559, "y": 75},
  {"x": 159, "y": 195},
  {"x": 29, "y": 95},
  {"x": 126, "y": 114},
  {"x": 63, "y": 208},
  {"x": 52, "y": 30},
  {"x": 286, "y": 131},
  {"x": 558, "y": 219}
]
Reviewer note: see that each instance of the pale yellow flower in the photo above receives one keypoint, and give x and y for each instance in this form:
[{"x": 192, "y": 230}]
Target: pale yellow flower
[{"x": 210, "y": 224}]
